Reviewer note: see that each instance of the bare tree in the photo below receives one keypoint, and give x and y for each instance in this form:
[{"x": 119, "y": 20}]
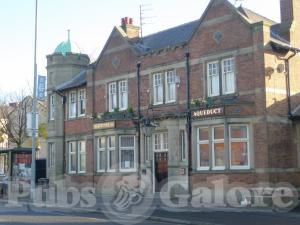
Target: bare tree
[{"x": 13, "y": 112}]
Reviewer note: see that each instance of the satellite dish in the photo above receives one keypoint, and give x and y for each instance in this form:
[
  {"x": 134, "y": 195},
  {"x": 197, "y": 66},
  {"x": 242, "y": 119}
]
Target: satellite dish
[{"x": 280, "y": 68}]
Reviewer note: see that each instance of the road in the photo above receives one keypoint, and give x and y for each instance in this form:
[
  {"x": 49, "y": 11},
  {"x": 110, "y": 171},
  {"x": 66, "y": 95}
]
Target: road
[
  {"x": 56, "y": 218},
  {"x": 59, "y": 216}
]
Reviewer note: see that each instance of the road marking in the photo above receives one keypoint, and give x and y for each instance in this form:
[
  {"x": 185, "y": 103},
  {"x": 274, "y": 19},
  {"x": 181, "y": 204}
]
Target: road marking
[{"x": 50, "y": 219}]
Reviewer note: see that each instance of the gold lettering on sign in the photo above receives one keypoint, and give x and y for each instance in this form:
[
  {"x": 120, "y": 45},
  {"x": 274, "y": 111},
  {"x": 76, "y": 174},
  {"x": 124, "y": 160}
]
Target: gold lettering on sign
[
  {"x": 208, "y": 112},
  {"x": 105, "y": 125}
]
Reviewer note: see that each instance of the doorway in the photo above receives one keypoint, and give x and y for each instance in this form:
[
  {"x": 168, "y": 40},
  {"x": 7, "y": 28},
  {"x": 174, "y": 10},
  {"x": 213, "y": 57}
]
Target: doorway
[{"x": 161, "y": 170}]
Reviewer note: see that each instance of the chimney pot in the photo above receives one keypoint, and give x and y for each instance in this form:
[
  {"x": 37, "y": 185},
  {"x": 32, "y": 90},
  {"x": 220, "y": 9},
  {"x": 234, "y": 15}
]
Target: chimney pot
[
  {"x": 130, "y": 21},
  {"x": 126, "y": 20}
]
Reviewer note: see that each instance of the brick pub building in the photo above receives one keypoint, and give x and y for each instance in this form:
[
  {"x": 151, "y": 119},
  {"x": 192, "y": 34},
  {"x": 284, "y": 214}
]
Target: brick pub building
[{"x": 221, "y": 94}]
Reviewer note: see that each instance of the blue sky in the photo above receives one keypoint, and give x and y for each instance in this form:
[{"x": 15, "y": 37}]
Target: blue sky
[{"x": 90, "y": 22}]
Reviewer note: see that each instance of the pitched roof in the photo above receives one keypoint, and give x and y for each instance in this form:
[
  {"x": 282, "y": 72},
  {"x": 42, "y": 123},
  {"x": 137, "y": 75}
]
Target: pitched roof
[
  {"x": 77, "y": 81},
  {"x": 167, "y": 38},
  {"x": 253, "y": 16}
]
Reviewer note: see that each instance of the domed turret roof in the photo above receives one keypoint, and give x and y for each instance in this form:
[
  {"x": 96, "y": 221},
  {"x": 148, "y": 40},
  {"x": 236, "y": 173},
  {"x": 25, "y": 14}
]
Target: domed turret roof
[{"x": 67, "y": 47}]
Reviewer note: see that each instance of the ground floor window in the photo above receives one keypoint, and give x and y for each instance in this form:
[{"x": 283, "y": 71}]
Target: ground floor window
[
  {"x": 239, "y": 146},
  {"x": 101, "y": 154},
  {"x": 81, "y": 156},
  {"x": 212, "y": 150},
  {"x": 111, "y": 158},
  {"x": 161, "y": 142},
  {"x": 77, "y": 156},
  {"x": 3, "y": 164},
  {"x": 127, "y": 152},
  {"x": 51, "y": 154},
  {"x": 182, "y": 145}
]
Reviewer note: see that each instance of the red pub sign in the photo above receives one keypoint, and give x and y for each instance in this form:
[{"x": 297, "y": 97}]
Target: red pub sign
[{"x": 208, "y": 112}]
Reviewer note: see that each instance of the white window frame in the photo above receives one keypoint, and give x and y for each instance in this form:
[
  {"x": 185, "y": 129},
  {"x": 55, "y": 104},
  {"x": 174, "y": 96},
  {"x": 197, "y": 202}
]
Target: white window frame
[
  {"x": 99, "y": 150},
  {"x": 216, "y": 141},
  {"x": 133, "y": 148},
  {"x": 81, "y": 101},
  {"x": 163, "y": 142},
  {"x": 247, "y": 167},
  {"x": 168, "y": 85},
  {"x": 199, "y": 167},
  {"x": 51, "y": 153},
  {"x": 109, "y": 150},
  {"x": 71, "y": 153},
  {"x": 72, "y": 103},
  {"x": 81, "y": 152},
  {"x": 209, "y": 79},
  {"x": 121, "y": 93},
  {"x": 112, "y": 97},
  {"x": 224, "y": 74},
  {"x": 156, "y": 86},
  {"x": 51, "y": 107}
]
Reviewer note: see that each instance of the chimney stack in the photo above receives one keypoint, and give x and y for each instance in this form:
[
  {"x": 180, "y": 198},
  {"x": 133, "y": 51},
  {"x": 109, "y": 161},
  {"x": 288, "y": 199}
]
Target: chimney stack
[
  {"x": 128, "y": 27},
  {"x": 290, "y": 21}
]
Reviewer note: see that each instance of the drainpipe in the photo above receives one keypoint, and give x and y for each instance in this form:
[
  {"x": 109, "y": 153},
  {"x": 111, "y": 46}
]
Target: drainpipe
[
  {"x": 93, "y": 117},
  {"x": 138, "y": 71},
  {"x": 188, "y": 120},
  {"x": 288, "y": 85}
]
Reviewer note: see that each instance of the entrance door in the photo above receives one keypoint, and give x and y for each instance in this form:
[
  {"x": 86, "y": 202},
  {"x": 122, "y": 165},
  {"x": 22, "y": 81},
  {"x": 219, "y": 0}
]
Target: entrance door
[{"x": 161, "y": 170}]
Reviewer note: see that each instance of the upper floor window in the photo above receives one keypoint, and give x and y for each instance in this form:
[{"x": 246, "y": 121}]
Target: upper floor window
[
  {"x": 170, "y": 86},
  {"x": 123, "y": 95},
  {"x": 158, "y": 92},
  {"x": 77, "y": 103},
  {"x": 117, "y": 95},
  {"x": 81, "y": 103},
  {"x": 164, "y": 87},
  {"x": 225, "y": 83},
  {"x": 72, "y": 105},
  {"x": 51, "y": 107}
]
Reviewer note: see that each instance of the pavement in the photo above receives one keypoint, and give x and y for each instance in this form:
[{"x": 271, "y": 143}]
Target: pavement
[{"x": 162, "y": 214}]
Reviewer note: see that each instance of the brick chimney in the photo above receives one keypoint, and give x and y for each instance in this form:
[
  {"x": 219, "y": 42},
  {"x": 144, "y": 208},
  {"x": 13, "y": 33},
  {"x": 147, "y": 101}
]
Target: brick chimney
[
  {"x": 128, "y": 27},
  {"x": 290, "y": 21}
]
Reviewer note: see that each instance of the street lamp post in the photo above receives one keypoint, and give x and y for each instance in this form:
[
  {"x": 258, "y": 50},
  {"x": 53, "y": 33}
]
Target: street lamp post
[{"x": 34, "y": 102}]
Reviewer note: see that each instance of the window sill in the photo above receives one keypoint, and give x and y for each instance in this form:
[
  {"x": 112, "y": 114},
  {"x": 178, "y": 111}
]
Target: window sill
[
  {"x": 127, "y": 170},
  {"x": 76, "y": 118},
  {"x": 116, "y": 173},
  {"x": 164, "y": 104},
  {"x": 77, "y": 174},
  {"x": 71, "y": 173},
  {"x": 225, "y": 171}
]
